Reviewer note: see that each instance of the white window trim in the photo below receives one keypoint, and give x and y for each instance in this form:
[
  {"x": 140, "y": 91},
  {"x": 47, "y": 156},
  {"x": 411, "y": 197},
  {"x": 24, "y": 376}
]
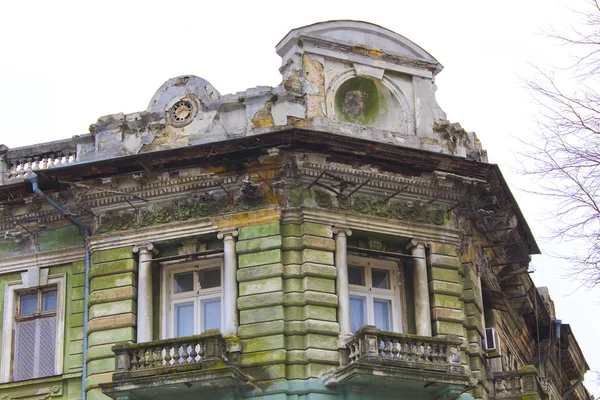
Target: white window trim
[
  {"x": 9, "y": 312},
  {"x": 167, "y": 316},
  {"x": 396, "y": 287}
]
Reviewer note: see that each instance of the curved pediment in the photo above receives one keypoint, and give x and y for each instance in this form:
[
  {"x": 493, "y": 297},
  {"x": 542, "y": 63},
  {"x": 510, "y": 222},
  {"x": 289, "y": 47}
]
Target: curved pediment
[{"x": 358, "y": 34}]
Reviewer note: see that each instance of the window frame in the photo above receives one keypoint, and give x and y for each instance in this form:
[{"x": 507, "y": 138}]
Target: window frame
[
  {"x": 396, "y": 294},
  {"x": 169, "y": 299},
  {"x": 12, "y": 292}
]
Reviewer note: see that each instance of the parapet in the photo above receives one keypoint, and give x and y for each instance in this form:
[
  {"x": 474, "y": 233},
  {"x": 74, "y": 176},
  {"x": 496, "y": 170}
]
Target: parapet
[{"x": 350, "y": 78}]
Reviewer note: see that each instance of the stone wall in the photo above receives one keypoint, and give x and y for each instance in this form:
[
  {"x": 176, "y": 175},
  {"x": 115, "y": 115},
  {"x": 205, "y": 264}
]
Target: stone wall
[{"x": 112, "y": 313}]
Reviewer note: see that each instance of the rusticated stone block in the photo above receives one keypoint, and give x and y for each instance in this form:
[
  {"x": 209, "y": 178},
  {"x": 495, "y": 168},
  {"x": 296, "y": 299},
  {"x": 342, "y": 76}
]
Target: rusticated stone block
[
  {"x": 447, "y": 328},
  {"x": 113, "y": 267},
  {"x": 113, "y": 281},
  {"x": 261, "y": 329},
  {"x": 444, "y": 249},
  {"x": 263, "y": 343},
  {"x": 448, "y": 288},
  {"x": 121, "y": 253},
  {"x": 441, "y": 261},
  {"x": 443, "y": 274},
  {"x": 257, "y": 231},
  {"x": 446, "y": 301},
  {"x": 112, "y": 294},
  {"x": 258, "y": 244},
  {"x": 262, "y": 358},
  {"x": 259, "y": 258},
  {"x": 261, "y": 314},
  {"x": 111, "y": 336},
  {"x": 260, "y": 272},
  {"x": 111, "y": 322},
  {"x": 260, "y": 300},
  {"x": 309, "y": 269},
  {"x": 112, "y": 308},
  {"x": 311, "y": 228},
  {"x": 261, "y": 286}
]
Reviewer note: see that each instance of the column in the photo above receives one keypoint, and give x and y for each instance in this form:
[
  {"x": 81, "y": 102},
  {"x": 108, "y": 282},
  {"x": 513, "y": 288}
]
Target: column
[
  {"x": 230, "y": 288},
  {"x": 422, "y": 308},
  {"x": 144, "y": 291},
  {"x": 341, "y": 264}
]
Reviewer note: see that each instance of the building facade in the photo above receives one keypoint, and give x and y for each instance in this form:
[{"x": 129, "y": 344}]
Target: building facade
[{"x": 334, "y": 237}]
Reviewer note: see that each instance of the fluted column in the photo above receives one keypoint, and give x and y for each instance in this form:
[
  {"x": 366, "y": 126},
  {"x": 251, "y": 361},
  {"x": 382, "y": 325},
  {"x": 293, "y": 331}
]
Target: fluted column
[
  {"x": 144, "y": 290},
  {"x": 421, "y": 284},
  {"x": 230, "y": 288},
  {"x": 341, "y": 264}
]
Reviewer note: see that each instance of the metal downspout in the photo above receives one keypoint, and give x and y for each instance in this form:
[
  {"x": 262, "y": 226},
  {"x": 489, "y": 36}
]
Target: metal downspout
[{"x": 34, "y": 179}]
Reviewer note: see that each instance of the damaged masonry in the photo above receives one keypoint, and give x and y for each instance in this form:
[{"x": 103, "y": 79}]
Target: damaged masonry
[{"x": 334, "y": 237}]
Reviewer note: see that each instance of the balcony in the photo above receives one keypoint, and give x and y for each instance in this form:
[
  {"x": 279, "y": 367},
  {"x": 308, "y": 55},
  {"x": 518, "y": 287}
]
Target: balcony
[
  {"x": 430, "y": 367},
  {"x": 520, "y": 384},
  {"x": 182, "y": 366}
]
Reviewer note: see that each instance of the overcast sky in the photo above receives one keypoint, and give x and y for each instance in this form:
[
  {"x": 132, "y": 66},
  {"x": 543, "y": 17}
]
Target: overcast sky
[{"x": 64, "y": 64}]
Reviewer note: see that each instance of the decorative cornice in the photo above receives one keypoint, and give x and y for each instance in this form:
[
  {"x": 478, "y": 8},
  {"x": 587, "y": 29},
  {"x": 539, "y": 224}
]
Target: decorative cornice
[
  {"x": 153, "y": 234},
  {"x": 41, "y": 260},
  {"x": 421, "y": 232}
]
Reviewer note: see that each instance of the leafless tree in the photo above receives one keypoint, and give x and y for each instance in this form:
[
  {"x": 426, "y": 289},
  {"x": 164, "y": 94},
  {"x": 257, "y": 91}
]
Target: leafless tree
[{"x": 566, "y": 154}]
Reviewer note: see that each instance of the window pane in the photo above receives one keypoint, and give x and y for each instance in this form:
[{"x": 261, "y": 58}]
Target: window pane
[
  {"x": 184, "y": 282},
  {"x": 184, "y": 319},
  {"x": 381, "y": 278},
  {"x": 47, "y": 346},
  {"x": 383, "y": 314},
  {"x": 209, "y": 278},
  {"x": 356, "y": 275},
  {"x": 212, "y": 314},
  {"x": 49, "y": 300},
  {"x": 357, "y": 312},
  {"x": 28, "y": 303}
]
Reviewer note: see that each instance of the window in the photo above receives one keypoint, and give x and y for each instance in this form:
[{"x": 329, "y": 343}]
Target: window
[
  {"x": 35, "y": 334},
  {"x": 34, "y": 324},
  {"x": 193, "y": 296},
  {"x": 374, "y": 294}
]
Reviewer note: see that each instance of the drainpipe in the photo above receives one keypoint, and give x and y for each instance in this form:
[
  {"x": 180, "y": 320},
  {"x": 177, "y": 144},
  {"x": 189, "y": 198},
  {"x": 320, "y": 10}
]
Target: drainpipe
[
  {"x": 34, "y": 179},
  {"x": 572, "y": 389},
  {"x": 557, "y": 323}
]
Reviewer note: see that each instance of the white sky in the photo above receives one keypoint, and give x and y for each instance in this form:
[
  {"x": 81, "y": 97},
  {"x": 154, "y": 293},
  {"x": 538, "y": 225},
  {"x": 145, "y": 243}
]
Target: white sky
[{"x": 64, "y": 64}]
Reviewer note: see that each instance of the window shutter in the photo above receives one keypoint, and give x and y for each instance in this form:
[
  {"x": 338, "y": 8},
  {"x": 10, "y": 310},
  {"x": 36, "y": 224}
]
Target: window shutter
[
  {"x": 35, "y": 348},
  {"x": 24, "y": 355},
  {"x": 47, "y": 352}
]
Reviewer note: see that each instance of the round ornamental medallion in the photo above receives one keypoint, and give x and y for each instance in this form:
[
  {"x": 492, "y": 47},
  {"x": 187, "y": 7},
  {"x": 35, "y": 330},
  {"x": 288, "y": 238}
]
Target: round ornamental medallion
[{"x": 182, "y": 112}]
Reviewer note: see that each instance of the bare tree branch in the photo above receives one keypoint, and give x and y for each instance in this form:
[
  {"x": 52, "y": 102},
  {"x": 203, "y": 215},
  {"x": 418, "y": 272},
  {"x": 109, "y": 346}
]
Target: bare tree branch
[{"x": 565, "y": 156}]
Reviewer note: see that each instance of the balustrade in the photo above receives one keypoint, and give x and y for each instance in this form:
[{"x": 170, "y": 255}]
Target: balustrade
[
  {"x": 21, "y": 168},
  {"x": 371, "y": 343},
  {"x": 171, "y": 354},
  {"x": 514, "y": 384}
]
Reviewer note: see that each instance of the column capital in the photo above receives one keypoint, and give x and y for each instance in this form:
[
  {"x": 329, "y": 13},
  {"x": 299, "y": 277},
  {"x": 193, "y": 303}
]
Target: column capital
[
  {"x": 228, "y": 233},
  {"x": 341, "y": 230},
  {"x": 416, "y": 244},
  {"x": 145, "y": 247}
]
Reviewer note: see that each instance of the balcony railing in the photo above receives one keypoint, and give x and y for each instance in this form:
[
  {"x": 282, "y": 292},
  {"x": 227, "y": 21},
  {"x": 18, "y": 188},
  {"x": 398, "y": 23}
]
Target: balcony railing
[
  {"x": 433, "y": 364},
  {"x": 374, "y": 346},
  {"x": 17, "y": 164},
  {"x": 515, "y": 384},
  {"x": 156, "y": 369},
  {"x": 134, "y": 360}
]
